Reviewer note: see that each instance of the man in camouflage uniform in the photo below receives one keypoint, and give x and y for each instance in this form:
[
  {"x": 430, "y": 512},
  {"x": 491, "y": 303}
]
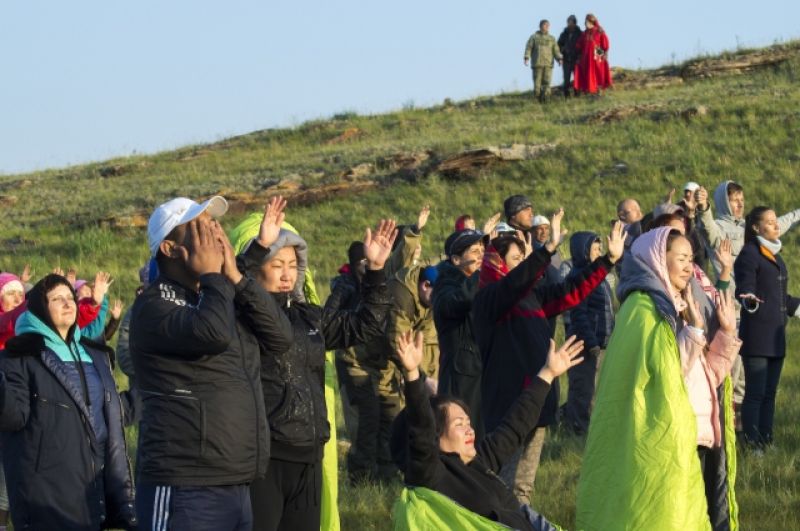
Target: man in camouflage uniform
[{"x": 540, "y": 51}]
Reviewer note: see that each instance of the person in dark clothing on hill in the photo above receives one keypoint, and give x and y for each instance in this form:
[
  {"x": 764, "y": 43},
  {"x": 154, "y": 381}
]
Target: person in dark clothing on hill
[
  {"x": 194, "y": 339},
  {"x": 64, "y": 451},
  {"x": 459, "y": 358},
  {"x": 591, "y": 321},
  {"x": 567, "y": 44},
  {"x": 442, "y": 453},
  {"x": 289, "y": 497},
  {"x": 510, "y": 319}
]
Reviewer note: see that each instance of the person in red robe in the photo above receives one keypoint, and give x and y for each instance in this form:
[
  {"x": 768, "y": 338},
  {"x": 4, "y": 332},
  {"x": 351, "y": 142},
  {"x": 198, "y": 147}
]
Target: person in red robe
[{"x": 592, "y": 72}]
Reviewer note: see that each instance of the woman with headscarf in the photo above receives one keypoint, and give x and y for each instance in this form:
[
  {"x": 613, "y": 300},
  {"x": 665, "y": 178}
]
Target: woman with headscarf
[
  {"x": 592, "y": 72},
  {"x": 761, "y": 285},
  {"x": 657, "y": 407},
  {"x": 64, "y": 451},
  {"x": 12, "y": 304},
  {"x": 289, "y": 497}
]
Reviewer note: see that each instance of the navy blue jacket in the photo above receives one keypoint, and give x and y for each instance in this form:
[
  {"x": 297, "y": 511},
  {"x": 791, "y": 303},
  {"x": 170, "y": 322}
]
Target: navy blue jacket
[
  {"x": 593, "y": 319},
  {"x": 58, "y": 476},
  {"x": 763, "y": 333}
]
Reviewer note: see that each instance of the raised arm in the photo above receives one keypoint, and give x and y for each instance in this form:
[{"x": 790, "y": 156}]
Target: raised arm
[
  {"x": 707, "y": 226},
  {"x": 423, "y": 466},
  {"x": 347, "y": 328},
  {"x": 789, "y": 221}
]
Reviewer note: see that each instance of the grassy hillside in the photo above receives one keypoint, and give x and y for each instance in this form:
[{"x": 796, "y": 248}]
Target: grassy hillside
[{"x": 748, "y": 131}]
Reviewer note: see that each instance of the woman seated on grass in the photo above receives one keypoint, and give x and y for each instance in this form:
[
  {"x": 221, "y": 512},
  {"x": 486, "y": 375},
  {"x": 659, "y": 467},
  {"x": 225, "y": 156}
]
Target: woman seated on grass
[{"x": 442, "y": 454}]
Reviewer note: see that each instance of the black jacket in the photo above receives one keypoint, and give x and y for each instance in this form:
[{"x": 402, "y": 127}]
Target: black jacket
[
  {"x": 566, "y": 43},
  {"x": 459, "y": 358},
  {"x": 763, "y": 333},
  {"x": 294, "y": 382},
  {"x": 196, "y": 357},
  {"x": 57, "y": 476},
  {"x": 593, "y": 319},
  {"x": 510, "y": 319},
  {"x": 476, "y": 485}
]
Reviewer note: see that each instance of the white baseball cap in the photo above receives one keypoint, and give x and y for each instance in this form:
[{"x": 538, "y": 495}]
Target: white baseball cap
[
  {"x": 691, "y": 186},
  {"x": 176, "y": 212},
  {"x": 540, "y": 220}
]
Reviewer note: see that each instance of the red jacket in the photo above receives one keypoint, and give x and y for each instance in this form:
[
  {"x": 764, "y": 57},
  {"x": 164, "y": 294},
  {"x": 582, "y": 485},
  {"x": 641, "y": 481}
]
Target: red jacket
[{"x": 592, "y": 71}]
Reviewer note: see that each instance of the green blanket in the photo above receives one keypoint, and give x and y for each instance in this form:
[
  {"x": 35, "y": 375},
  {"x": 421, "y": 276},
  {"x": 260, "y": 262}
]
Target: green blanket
[
  {"x": 640, "y": 468},
  {"x": 421, "y": 509}
]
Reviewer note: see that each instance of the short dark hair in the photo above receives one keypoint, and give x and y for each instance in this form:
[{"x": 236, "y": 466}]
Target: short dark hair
[
  {"x": 734, "y": 188},
  {"x": 543, "y": 22},
  {"x": 174, "y": 235},
  {"x": 753, "y": 217},
  {"x": 439, "y": 405},
  {"x": 665, "y": 220},
  {"x": 572, "y": 18},
  {"x": 503, "y": 243}
]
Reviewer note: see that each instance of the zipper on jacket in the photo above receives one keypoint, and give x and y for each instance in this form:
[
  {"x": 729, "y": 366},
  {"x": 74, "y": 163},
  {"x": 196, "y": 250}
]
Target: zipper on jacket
[{"x": 168, "y": 395}]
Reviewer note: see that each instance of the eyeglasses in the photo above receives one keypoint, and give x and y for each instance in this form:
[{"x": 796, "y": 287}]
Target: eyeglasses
[{"x": 61, "y": 299}]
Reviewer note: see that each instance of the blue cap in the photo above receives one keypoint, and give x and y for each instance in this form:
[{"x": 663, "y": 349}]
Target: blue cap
[{"x": 430, "y": 273}]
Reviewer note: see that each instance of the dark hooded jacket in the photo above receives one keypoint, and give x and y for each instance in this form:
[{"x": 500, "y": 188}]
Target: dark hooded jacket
[
  {"x": 65, "y": 458},
  {"x": 593, "y": 319},
  {"x": 460, "y": 364},
  {"x": 294, "y": 381},
  {"x": 566, "y": 43},
  {"x": 510, "y": 319}
]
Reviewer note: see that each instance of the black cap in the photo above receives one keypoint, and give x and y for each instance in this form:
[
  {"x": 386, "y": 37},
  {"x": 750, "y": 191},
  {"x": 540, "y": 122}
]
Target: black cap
[
  {"x": 356, "y": 252},
  {"x": 514, "y": 204},
  {"x": 460, "y": 241}
]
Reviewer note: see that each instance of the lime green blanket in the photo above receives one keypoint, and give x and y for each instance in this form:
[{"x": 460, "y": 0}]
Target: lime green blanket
[
  {"x": 421, "y": 509},
  {"x": 640, "y": 468}
]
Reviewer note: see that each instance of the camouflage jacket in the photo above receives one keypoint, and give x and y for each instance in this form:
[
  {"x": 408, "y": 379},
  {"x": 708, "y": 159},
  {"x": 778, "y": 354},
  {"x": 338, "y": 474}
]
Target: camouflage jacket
[{"x": 542, "y": 49}]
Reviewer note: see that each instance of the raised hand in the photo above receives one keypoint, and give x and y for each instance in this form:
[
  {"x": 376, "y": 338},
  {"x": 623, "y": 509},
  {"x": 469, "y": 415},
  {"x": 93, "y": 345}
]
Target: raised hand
[
  {"x": 273, "y": 219},
  {"x": 556, "y": 234},
  {"x": 616, "y": 241},
  {"x": 693, "y": 308},
  {"x": 202, "y": 256},
  {"x": 58, "y": 271},
  {"x": 422, "y": 219},
  {"x": 526, "y": 239},
  {"x": 102, "y": 281},
  {"x": 701, "y": 196},
  {"x": 669, "y": 198},
  {"x": 229, "y": 268},
  {"x": 409, "y": 351},
  {"x": 561, "y": 360},
  {"x": 72, "y": 275},
  {"x": 378, "y": 246},
  {"x": 116, "y": 309},
  {"x": 491, "y": 223},
  {"x": 26, "y": 274},
  {"x": 724, "y": 254},
  {"x": 726, "y": 312}
]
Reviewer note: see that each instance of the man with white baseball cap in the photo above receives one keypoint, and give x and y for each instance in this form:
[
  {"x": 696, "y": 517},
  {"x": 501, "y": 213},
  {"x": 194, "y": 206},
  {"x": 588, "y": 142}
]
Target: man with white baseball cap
[{"x": 195, "y": 337}]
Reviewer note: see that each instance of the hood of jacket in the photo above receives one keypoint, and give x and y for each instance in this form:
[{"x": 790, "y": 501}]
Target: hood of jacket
[
  {"x": 28, "y": 323},
  {"x": 410, "y": 279},
  {"x": 642, "y": 272},
  {"x": 722, "y": 203},
  {"x": 579, "y": 246},
  {"x": 287, "y": 238}
]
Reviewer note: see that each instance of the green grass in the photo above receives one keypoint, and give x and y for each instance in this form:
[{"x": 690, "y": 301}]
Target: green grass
[{"x": 750, "y": 134}]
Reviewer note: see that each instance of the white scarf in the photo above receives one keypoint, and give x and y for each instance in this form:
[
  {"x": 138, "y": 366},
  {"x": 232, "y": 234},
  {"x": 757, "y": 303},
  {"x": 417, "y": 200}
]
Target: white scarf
[{"x": 773, "y": 246}]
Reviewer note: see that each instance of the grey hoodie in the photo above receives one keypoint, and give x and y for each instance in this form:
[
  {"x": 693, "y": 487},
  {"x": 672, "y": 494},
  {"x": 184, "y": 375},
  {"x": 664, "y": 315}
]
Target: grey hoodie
[
  {"x": 287, "y": 238},
  {"x": 727, "y": 226}
]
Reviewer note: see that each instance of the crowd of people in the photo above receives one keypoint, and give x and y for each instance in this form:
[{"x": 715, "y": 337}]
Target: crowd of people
[
  {"x": 582, "y": 54},
  {"x": 447, "y": 370}
]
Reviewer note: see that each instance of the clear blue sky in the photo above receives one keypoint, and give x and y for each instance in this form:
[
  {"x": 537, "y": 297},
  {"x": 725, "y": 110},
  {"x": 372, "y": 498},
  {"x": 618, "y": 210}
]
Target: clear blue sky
[{"x": 93, "y": 79}]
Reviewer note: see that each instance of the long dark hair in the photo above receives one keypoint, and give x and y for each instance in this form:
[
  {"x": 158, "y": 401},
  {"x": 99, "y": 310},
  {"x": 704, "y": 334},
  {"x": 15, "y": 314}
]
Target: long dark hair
[{"x": 752, "y": 219}]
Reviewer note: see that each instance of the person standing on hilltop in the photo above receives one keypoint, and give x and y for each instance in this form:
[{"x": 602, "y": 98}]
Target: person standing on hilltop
[
  {"x": 540, "y": 51},
  {"x": 592, "y": 72},
  {"x": 567, "y": 42}
]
